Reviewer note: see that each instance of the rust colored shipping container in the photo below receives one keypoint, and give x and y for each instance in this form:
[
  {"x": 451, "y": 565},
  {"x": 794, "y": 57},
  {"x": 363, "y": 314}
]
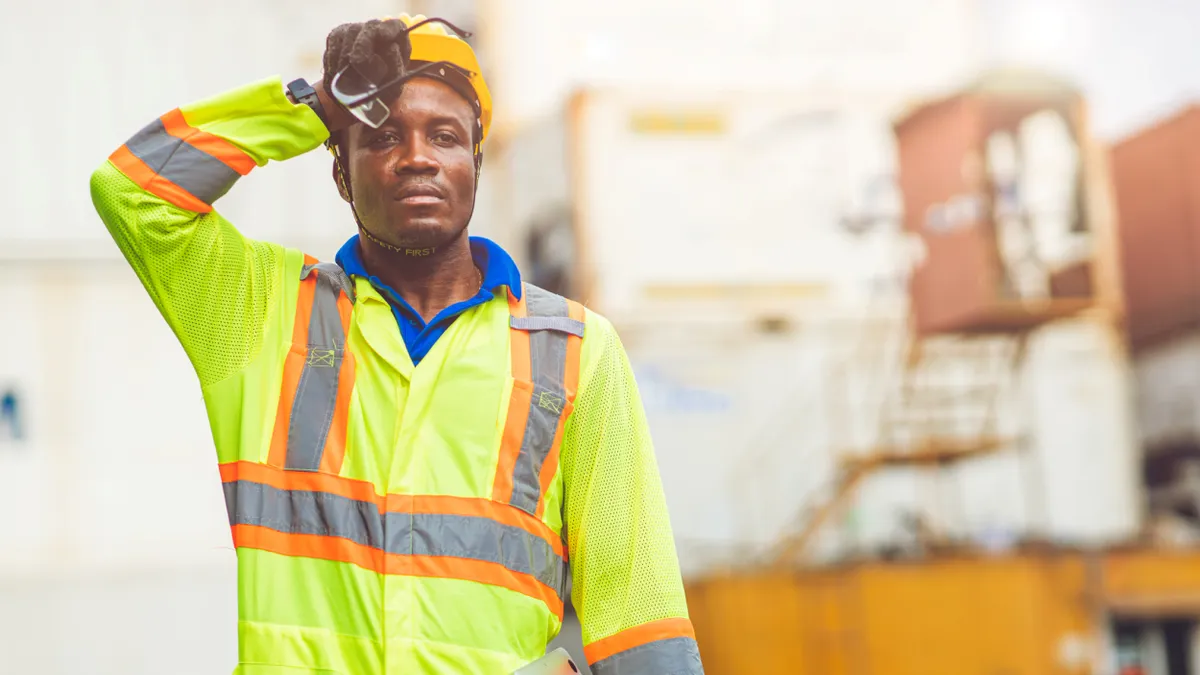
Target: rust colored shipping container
[
  {"x": 995, "y": 180},
  {"x": 1156, "y": 175}
]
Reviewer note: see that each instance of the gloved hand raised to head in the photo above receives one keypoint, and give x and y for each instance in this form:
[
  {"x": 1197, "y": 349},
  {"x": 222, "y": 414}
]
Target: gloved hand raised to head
[
  {"x": 377, "y": 49},
  {"x": 370, "y": 61}
]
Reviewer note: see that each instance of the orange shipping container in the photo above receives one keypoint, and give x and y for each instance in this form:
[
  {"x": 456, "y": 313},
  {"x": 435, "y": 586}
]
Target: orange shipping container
[
  {"x": 1156, "y": 175},
  {"x": 995, "y": 180}
]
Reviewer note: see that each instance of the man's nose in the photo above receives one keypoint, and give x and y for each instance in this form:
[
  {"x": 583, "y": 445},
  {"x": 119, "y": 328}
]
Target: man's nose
[{"x": 417, "y": 158}]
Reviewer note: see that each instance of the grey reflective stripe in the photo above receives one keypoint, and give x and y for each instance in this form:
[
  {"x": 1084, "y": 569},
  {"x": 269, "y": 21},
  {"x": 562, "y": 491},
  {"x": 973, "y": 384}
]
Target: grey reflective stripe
[
  {"x": 676, "y": 656},
  {"x": 475, "y": 538},
  {"x": 547, "y": 369},
  {"x": 428, "y": 534},
  {"x": 335, "y": 273},
  {"x": 559, "y": 323},
  {"x": 303, "y": 512},
  {"x": 204, "y": 176},
  {"x": 316, "y": 393}
]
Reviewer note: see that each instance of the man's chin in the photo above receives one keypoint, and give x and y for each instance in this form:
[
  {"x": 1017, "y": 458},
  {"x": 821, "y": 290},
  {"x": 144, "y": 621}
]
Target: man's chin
[{"x": 424, "y": 238}]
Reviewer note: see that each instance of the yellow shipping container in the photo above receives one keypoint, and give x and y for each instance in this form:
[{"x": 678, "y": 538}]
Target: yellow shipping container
[{"x": 1037, "y": 613}]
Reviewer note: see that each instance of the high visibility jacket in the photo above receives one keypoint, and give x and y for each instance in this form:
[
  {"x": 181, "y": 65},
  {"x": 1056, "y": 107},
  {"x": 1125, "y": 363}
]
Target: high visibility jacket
[{"x": 392, "y": 518}]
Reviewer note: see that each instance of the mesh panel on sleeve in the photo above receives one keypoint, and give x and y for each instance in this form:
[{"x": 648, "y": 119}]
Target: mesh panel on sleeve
[
  {"x": 624, "y": 565},
  {"x": 212, "y": 285}
]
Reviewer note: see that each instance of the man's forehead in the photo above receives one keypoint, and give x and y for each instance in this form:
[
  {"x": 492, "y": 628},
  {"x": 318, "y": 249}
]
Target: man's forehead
[{"x": 429, "y": 97}]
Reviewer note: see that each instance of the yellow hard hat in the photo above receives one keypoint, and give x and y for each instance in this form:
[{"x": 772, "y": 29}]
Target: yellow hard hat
[{"x": 432, "y": 42}]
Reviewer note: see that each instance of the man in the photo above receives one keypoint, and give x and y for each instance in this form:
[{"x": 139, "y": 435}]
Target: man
[{"x": 413, "y": 444}]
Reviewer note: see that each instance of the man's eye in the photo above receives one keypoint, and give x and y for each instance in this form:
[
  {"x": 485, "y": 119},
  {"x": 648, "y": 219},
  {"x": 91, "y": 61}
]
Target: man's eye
[
  {"x": 383, "y": 140},
  {"x": 445, "y": 137}
]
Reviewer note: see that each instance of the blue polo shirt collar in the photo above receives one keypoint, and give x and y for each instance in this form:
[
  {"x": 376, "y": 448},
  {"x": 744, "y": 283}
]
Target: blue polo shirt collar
[
  {"x": 497, "y": 266},
  {"x": 498, "y": 269}
]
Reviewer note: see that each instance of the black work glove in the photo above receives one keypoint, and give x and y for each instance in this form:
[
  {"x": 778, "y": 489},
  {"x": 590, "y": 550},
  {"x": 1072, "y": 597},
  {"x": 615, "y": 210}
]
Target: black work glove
[{"x": 376, "y": 48}]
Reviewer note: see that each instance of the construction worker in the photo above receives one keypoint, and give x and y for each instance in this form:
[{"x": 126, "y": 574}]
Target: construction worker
[{"x": 413, "y": 444}]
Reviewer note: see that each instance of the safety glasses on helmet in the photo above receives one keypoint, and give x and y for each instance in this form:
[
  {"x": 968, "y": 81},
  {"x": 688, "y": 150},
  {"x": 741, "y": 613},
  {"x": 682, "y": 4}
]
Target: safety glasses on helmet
[{"x": 358, "y": 94}]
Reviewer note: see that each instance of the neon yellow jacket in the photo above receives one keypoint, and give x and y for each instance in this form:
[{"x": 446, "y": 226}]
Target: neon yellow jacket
[{"x": 414, "y": 534}]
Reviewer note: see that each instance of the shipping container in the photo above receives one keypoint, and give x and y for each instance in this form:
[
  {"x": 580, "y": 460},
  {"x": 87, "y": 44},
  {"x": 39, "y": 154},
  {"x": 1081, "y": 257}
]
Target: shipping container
[
  {"x": 749, "y": 252},
  {"x": 115, "y": 512},
  {"x": 1156, "y": 173},
  {"x": 1156, "y": 176},
  {"x": 1167, "y": 399},
  {"x": 1001, "y": 182},
  {"x": 1168, "y": 394},
  {"x": 663, "y": 195},
  {"x": 1061, "y": 612},
  {"x": 751, "y": 427}
]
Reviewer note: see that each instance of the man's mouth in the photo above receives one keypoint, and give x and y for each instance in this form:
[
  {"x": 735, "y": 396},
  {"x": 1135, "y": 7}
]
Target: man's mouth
[{"x": 415, "y": 195}]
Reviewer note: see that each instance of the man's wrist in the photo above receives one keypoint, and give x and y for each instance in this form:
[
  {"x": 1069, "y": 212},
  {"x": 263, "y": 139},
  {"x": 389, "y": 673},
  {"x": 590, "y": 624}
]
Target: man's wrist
[
  {"x": 332, "y": 114},
  {"x": 336, "y": 115},
  {"x": 300, "y": 91}
]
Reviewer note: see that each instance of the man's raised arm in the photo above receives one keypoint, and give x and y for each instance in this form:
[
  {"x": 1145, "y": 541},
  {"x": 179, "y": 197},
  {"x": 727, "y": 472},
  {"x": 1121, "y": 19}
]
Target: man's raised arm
[{"x": 156, "y": 192}]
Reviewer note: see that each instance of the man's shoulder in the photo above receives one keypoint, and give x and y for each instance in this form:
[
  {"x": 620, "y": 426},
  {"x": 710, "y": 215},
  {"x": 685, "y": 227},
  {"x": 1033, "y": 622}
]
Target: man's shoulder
[
  {"x": 602, "y": 350},
  {"x": 597, "y": 327}
]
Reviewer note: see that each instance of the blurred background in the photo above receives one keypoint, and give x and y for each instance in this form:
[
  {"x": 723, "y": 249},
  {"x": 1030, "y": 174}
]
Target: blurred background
[{"x": 910, "y": 288}]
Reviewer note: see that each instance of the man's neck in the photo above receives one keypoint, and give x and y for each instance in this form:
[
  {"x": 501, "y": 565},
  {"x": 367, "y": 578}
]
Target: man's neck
[{"x": 428, "y": 283}]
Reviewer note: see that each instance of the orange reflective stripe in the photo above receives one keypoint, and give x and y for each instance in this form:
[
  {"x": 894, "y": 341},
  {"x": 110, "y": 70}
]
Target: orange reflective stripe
[
  {"x": 335, "y": 443},
  {"x": 311, "y": 481},
  {"x": 308, "y": 546},
  {"x": 183, "y": 165},
  {"x": 664, "y": 629},
  {"x": 337, "y": 549},
  {"x": 482, "y": 572},
  {"x": 304, "y": 303},
  {"x": 292, "y": 368},
  {"x": 518, "y": 406},
  {"x": 574, "y": 349},
  {"x": 520, "y": 348},
  {"x": 145, "y": 177},
  {"x": 364, "y": 491},
  {"x": 232, "y": 156},
  {"x": 514, "y": 433}
]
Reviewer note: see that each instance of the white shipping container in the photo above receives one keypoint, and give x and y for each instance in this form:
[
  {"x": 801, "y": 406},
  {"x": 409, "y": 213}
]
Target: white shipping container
[
  {"x": 721, "y": 398},
  {"x": 1071, "y": 474},
  {"x": 180, "y": 620},
  {"x": 117, "y": 469},
  {"x": 660, "y": 189},
  {"x": 112, "y": 487},
  {"x": 748, "y": 427},
  {"x": 1168, "y": 393}
]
